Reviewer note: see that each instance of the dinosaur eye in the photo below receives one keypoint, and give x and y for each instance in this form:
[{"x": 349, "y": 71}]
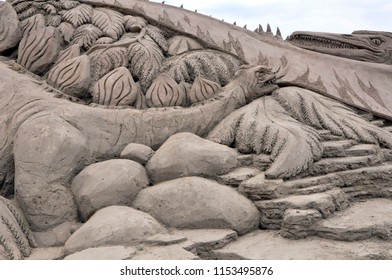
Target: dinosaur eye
[{"x": 376, "y": 41}]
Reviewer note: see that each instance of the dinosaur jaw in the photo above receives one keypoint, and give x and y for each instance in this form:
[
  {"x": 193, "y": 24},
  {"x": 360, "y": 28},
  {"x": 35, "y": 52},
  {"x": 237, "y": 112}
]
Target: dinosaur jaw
[
  {"x": 266, "y": 83},
  {"x": 268, "y": 87},
  {"x": 320, "y": 43}
]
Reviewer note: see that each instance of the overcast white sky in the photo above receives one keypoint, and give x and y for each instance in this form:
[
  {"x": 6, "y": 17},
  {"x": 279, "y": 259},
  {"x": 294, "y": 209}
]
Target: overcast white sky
[{"x": 338, "y": 16}]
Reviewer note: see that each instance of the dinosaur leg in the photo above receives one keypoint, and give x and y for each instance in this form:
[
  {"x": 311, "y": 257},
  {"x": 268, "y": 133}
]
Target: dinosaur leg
[{"x": 48, "y": 153}]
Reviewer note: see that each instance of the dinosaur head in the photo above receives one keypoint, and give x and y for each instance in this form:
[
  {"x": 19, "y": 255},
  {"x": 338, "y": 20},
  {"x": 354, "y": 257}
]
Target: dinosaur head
[
  {"x": 369, "y": 46},
  {"x": 256, "y": 81}
]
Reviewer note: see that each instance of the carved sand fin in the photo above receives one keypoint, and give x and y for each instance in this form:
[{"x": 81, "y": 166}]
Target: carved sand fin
[
  {"x": 182, "y": 6},
  {"x": 261, "y": 30},
  {"x": 235, "y": 23},
  {"x": 245, "y": 26}
]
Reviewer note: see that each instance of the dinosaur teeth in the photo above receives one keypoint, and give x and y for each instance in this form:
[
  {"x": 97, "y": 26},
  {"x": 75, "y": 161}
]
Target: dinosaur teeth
[{"x": 312, "y": 41}]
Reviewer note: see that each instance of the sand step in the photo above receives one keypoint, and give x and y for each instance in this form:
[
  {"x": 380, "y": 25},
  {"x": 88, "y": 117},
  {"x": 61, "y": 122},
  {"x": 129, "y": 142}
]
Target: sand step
[
  {"x": 373, "y": 181},
  {"x": 326, "y": 135},
  {"x": 272, "y": 211},
  {"x": 388, "y": 128},
  {"x": 363, "y": 150},
  {"x": 363, "y": 220},
  {"x": 366, "y": 116},
  {"x": 379, "y": 123},
  {"x": 313, "y": 189},
  {"x": 331, "y": 165},
  {"x": 336, "y": 148},
  {"x": 270, "y": 245}
]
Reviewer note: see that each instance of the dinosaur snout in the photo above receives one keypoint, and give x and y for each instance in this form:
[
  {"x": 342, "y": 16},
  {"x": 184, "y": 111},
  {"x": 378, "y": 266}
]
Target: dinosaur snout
[{"x": 257, "y": 81}]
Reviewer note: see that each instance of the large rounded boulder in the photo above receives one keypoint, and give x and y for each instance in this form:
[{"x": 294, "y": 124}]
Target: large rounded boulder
[
  {"x": 111, "y": 182},
  {"x": 113, "y": 225},
  {"x": 10, "y": 32},
  {"x": 198, "y": 203},
  {"x": 186, "y": 154}
]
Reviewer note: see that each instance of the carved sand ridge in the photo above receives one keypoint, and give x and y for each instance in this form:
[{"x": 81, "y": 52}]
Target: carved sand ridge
[{"x": 138, "y": 130}]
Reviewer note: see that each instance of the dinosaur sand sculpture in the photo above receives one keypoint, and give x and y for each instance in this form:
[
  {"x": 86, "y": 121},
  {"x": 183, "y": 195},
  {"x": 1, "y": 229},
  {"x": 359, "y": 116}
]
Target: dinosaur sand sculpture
[{"x": 84, "y": 83}]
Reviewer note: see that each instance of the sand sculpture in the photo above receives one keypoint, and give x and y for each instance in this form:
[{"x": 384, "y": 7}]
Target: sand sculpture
[{"x": 135, "y": 130}]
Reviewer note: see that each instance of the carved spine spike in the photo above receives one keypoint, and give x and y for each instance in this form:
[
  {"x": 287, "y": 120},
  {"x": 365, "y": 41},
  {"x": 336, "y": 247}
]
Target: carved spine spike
[
  {"x": 235, "y": 23},
  {"x": 259, "y": 30},
  {"x": 278, "y": 33},
  {"x": 269, "y": 31}
]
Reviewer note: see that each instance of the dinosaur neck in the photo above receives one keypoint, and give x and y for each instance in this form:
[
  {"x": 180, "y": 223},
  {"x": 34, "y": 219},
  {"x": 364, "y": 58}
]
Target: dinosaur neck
[
  {"x": 363, "y": 85},
  {"x": 113, "y": 129},
  {"x": 151, "y": 127}
]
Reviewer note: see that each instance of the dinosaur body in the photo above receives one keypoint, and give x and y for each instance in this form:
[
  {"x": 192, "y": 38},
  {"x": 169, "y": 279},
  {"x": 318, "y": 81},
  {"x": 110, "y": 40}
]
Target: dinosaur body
[{"x": 51, "y": 139}]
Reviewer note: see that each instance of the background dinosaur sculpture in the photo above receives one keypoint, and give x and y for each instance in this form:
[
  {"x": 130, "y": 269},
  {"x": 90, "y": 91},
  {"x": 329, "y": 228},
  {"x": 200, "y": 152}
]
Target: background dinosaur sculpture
[{"x": 80, "y": 80}]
